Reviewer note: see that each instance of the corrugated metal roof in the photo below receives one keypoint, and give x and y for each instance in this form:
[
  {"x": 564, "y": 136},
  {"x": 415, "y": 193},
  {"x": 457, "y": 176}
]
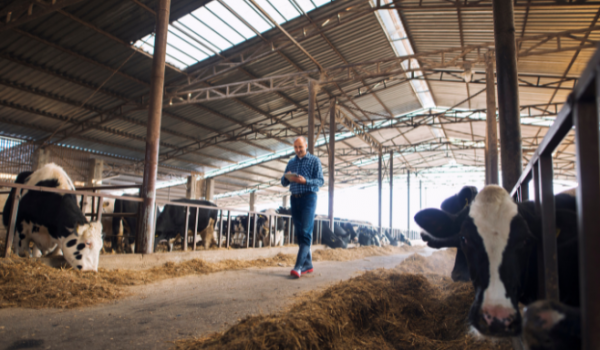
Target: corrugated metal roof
[{"x": 52, "y": 65}]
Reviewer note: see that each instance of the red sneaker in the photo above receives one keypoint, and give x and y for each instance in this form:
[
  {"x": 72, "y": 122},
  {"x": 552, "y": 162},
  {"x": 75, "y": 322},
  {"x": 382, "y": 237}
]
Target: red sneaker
[
  {"x": 307, "y": 271},
  {"x": 295, "y": 273}
]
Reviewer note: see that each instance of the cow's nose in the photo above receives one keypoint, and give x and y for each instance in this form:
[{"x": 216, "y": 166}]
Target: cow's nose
[{"x": 499, "y": 314}]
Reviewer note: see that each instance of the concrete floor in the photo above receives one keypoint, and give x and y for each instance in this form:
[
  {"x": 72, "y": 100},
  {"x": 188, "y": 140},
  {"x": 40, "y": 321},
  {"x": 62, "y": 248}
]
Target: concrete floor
[{"x": 171, "y": 309}]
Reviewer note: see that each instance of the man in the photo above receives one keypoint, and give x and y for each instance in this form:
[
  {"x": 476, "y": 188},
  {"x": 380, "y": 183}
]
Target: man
[{"x": 304, "y": 188}]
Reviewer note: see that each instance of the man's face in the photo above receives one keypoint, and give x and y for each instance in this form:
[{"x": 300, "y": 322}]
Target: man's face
[{"x": 300, "y": 147}]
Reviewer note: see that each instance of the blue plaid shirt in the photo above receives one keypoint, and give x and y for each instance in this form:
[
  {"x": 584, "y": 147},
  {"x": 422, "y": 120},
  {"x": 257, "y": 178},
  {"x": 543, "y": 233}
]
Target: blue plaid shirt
[{"x": 309, "y": 167}]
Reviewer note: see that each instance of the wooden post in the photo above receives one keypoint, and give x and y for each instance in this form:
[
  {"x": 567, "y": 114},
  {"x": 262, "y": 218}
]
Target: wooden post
[{"x": 147, "y": 218}]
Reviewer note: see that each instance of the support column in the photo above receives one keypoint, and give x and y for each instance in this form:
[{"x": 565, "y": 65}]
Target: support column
[
  {"x": 380, "y": 187},
  {"x": 491, "y": 139},
  {"x": 41, "y": 157},
  {"x": 391, "y": 189},
  {"x": 420, "y": 195},
  {"x": 285, "y": 201},
  {"x": 252, "y": 201},
  {"x": 312, "y": 101},
  {"x": 331, "y": 163},
  {"x": 210, "y": 189},
  {"x": 147, "y": 215},
  {"x": 408, "y": 201},
  {"x": 94, "y": 177},
  {"x": 194, "y": 185},
  {"x": 508, "y": 93}
]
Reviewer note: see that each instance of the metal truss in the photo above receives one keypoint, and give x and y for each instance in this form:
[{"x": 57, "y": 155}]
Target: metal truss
[
  {"x": 20, "y": 12},
  {"x": 385, "y": 68},
  {"x": 278, "y": 42},
  {"x": 339, "y": 74},
  {"x": 434, "y": 146}
]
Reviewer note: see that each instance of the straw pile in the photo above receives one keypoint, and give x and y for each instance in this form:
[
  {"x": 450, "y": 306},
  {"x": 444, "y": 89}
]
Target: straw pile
[
  {"x": 384, "y": 309},
  {"x": 29, "y": 283}
]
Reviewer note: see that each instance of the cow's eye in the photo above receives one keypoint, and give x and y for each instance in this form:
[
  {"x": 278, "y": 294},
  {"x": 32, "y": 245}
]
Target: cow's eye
[{"x": 464, "y": 240}]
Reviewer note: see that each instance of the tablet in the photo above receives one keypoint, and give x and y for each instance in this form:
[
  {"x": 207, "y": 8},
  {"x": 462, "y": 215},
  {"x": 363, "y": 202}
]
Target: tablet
[{"x": 289, "y": 176}]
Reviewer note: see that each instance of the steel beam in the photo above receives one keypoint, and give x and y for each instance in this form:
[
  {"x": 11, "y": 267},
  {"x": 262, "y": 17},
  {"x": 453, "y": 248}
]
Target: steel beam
[
  {"x": 312, "y": 96},
  {"x": 146, "y": 221},
  {"x": 379, "y": 190},
  {"x": 508, "y": 93},
  {"x": 408, "y": 200},
  {"x": 491, "y": 144},
  {"x": 391, "y": 174},
  {"x": 331, "y": 162}
]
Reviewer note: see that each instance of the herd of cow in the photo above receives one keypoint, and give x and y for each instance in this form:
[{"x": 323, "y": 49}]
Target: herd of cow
[
  {"x": 55, "y": 224},
  {"x": 498, "y": 243}
]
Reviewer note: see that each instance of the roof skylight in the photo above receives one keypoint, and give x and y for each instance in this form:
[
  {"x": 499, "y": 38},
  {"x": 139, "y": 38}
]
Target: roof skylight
[{"x": 221, "y": 24}]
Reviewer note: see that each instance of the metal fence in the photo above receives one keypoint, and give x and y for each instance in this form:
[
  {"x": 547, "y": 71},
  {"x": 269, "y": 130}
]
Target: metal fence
[{"x": 581, "y": 112}]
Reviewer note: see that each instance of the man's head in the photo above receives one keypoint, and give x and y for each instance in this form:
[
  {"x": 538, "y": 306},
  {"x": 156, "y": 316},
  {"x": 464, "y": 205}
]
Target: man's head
[{"x": 300, "y": 147}]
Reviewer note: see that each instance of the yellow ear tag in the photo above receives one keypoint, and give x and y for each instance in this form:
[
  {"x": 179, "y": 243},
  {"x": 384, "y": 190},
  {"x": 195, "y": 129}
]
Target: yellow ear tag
[
  {"x": 557, "y": 232},
  {"x": 466, "y": 203}
]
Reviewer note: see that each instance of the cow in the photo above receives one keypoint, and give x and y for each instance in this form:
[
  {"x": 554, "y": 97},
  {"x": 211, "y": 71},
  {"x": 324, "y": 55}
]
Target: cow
[
  {"x": 461, "y": 200},
  {"x": 368, "y": 236},
  {"x": 348, "y": 227},
  {"x": 278, "y": 225},
  {"x": 171, "y": 222},
  {"x": 338, "y": 238},
  {"x": 550, "y": 325},
  {"x": 127, "y": 225},
  {"x": 53, "y": 221},
  {"x": 499, "y": 239}
]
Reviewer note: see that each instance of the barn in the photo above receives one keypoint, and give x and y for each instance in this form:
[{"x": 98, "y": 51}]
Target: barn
[{"x": 143, "y": 146}]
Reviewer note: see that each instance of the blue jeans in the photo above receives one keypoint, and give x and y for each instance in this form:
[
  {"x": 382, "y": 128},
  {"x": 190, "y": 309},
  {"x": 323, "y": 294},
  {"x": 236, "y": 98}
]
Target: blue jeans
[{"x": 303, "y": 215}]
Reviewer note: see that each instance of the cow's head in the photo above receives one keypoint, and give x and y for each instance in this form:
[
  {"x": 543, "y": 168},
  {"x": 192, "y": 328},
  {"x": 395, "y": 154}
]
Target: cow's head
[
  {"x": 497, "y": 243},
  {"x": 82, "y": 247}
]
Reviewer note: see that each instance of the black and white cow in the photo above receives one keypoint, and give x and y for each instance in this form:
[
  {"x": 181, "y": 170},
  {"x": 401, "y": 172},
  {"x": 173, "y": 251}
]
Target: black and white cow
[
  {"x": 499, "y": 239},
  {"x": 550, "y": 325},
  {"x": 338, "y": 238},
  {"x": 461, "y": 200},
  {"x": 171, "y": 222},
  {"x": 368, "y": 236},
  {"x": 348, "y": 227},
  {"x": 129, "y": 224},
  {"x": 54, "y": 221},
  {"x": 278, "y": 225}
]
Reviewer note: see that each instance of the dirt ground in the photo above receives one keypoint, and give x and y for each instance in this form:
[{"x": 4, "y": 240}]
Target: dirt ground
[{"x": 173, "y": 308}]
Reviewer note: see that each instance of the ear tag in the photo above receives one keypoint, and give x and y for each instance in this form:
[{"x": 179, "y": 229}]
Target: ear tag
[
  {"x": 466, "y": 203},
  {"x": 557, "y": 232}
]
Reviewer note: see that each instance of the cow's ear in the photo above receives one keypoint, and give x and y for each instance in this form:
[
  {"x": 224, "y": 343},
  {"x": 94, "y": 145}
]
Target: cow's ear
[
  {"x": 436, "y": 222},
  {"x": 466, "y": 195}
]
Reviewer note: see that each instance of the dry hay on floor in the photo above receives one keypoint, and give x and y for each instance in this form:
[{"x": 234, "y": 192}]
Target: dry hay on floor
[
  {"x": 383, "y": 309},
  {"x": 29, "y": 283}
]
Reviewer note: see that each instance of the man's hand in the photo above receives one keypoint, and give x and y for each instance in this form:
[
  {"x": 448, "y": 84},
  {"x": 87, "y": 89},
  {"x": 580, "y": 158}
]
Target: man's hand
[{"x": 298, "y": 179}]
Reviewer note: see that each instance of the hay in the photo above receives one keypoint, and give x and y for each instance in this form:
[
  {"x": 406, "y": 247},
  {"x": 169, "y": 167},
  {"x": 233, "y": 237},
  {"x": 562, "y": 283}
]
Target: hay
[
  {"x": 31, "y": 284},
  {"x": 384, "y": 309}
]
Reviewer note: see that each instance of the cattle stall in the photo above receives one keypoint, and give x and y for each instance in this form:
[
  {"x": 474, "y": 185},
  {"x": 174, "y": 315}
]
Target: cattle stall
[{"x": 581, "y": 113}]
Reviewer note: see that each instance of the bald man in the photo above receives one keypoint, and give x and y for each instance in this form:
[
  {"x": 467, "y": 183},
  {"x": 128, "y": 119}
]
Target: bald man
[{"x": 304, "y": 187}]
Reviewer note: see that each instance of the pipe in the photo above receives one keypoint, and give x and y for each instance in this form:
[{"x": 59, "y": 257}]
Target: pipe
[
  {"x": 391, "y": 189},
  {"x": 312, "y": 97}
]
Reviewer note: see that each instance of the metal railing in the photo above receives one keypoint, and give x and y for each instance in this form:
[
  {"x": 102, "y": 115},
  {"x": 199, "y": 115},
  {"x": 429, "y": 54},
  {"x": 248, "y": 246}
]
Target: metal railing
[
  {"x": 581, "y": 112},
  {"x": 96, "y": 214}
]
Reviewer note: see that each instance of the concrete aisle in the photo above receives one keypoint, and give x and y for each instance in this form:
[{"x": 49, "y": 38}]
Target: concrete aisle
[{"x": 171, "y": 309}]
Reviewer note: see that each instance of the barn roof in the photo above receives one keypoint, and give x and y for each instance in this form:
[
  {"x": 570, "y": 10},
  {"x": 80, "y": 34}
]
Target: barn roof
[{"x": 71, "y": 75}]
